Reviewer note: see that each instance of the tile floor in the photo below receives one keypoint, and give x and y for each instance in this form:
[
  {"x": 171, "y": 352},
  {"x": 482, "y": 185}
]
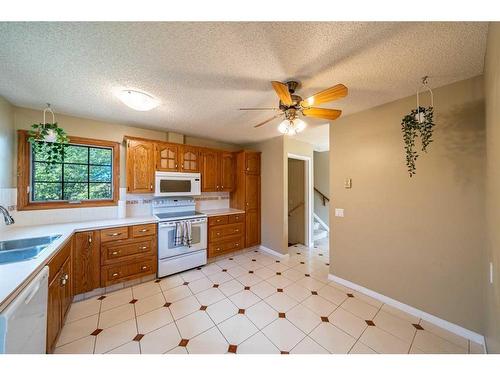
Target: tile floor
[{"x": 250, "y": 302}]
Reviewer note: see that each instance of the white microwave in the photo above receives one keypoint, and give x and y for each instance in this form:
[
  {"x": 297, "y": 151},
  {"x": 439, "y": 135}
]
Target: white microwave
[{"x": 175, "y": 184}]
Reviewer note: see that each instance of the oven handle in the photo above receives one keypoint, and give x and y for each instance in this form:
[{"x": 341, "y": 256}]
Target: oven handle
[{"x": 173, "y": 223}]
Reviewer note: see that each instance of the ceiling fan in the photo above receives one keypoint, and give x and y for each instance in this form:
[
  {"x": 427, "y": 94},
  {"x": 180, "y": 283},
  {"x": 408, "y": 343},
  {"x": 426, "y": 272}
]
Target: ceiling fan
[{"x": 292, "y": 105}]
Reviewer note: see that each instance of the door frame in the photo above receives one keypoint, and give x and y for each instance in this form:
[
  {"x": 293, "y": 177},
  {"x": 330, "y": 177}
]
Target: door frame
[{"x": 308, "y": 196}]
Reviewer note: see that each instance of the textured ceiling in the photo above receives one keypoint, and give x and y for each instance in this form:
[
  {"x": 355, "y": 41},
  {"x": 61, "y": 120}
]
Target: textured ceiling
[{"x": 204, "y": 72}]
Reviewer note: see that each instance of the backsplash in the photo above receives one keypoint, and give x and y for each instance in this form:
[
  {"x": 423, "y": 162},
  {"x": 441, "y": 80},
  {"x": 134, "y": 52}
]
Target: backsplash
[{"x": 136, "y": 205}]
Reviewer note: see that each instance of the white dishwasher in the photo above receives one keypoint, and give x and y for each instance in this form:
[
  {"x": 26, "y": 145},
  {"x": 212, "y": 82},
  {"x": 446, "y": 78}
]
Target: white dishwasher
[{"x": 23, "y": 323}]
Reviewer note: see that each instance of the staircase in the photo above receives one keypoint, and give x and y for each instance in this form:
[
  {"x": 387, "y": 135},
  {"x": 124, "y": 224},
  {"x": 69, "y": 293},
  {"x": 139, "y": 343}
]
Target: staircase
[{"x": 319, "y": 229}]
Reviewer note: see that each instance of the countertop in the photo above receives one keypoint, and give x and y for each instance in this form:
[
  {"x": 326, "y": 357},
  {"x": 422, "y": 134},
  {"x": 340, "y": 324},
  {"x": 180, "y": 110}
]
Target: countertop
[
  {"x": 15, "y": 276},
  {"x": 222, "y": 211}
]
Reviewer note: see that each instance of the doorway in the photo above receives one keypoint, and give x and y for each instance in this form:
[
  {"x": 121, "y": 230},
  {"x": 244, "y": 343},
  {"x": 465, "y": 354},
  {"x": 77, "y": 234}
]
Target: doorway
[{"x": 299, "y": 200}]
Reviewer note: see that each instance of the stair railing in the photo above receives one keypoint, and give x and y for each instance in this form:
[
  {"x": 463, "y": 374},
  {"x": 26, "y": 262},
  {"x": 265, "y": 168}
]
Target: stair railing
[{"x": 323, "y": 196}]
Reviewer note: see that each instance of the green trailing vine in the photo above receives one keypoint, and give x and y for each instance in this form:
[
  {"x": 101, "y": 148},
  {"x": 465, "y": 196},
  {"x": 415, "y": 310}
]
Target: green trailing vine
[
  {"x": 38, "y": 137},
  {"x": 411, "y": 128}
]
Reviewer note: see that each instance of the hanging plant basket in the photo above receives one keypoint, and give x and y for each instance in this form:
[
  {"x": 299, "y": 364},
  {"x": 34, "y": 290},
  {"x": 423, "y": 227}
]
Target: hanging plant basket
[
  {"x": 48, "y": 138},
  {"x": 418, "y": 123}
]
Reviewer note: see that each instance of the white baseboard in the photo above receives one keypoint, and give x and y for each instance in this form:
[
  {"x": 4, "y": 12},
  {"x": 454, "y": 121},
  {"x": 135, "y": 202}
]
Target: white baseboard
[
  {"x": 452, "y": 327},
  {"x": 273, "y": 252}
]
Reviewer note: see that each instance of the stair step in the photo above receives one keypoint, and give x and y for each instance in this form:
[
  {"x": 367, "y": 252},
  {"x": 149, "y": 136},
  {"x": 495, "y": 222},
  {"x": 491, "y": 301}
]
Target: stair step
[{"x": 319, "y": 234}]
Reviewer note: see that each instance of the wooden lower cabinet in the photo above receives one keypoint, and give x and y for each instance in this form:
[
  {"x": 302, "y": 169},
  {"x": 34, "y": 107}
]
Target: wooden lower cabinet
[
  {"x": 86, "y": 261},
  {"x": 60, "y": 293},
  {"x": 133, "y": 255},
  {"x": 226, "y": 233}
]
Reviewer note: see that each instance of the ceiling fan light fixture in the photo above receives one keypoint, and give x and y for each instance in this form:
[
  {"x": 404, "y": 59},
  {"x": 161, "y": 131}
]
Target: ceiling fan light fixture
[
  {"x": 140, "y": 101},
  {"x": 291, "y": 127}
]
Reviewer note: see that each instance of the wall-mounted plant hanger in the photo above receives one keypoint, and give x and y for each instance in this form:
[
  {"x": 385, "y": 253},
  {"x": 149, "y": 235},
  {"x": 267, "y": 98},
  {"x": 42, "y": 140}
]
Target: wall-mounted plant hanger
[
  {"x": 47, "y": 138},
  {"x": 419, "y": 122}
]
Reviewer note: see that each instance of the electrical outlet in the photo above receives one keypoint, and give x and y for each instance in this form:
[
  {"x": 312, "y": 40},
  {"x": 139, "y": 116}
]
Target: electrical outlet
[
  {"x": 339, "y": 212},
  {"x": 491, "y": 272}
]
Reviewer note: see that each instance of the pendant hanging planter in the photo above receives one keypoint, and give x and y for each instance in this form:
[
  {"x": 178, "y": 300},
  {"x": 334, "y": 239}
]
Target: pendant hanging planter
[
  {"x": 48, "y": 138},
  {"x": 418, "y": 123}
]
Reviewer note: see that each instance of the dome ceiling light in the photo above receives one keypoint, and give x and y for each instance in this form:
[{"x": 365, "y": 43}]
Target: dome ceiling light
[{"x": 140, "y": 101}]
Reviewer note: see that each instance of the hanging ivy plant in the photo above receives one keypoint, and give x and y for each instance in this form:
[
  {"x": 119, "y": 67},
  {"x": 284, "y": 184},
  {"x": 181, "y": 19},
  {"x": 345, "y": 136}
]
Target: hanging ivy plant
[
  {"x": 48, "y": 139},
  {"x": 419, "y": 122}
]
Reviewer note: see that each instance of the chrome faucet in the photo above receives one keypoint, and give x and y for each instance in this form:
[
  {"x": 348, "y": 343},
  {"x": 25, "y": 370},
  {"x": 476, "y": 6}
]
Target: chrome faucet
[{"x": 6, "y": 216}]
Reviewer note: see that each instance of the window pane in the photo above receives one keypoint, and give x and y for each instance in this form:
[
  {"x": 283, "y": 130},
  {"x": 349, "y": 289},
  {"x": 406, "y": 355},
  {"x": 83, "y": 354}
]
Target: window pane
[
  {"x": 47, "y": 172},
  {"x": 100, "y": 174},
  {"x": 75, "y": 173},
  {"x": 76, "y": 154},
  {"x": 100, "y": 191},
  {"x": 100, "y": 156},
  {"x": 46, "y": 191},
  {"x": 42, "y": 155},
  {"x": 76, "y": 191}
]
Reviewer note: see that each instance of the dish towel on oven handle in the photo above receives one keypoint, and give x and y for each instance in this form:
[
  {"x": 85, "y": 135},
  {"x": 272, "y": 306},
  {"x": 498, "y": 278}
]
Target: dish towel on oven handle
[{"x": 183, "y": 233}]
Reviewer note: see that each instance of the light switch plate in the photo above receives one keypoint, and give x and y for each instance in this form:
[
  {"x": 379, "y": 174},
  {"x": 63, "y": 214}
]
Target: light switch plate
[{"x": 339, "y": 212}]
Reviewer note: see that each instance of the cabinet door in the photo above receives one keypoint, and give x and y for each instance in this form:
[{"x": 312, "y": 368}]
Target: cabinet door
[
  {"x": 86, "y": 262},
  {"x": 190, "y": 159},
  {"x": 140, "y": 166},
  {"x": 66, "y": 288},
  {"x": 252, "y": 192},
  {"x": 167, "y": 157},
  {"x": 54, "y": 318},
  {"x": 209, "y": 170},
  {"x": 252, "y": 163},
  {"x": 252, "y": 228},
  {"x": 227, "y": 171}
]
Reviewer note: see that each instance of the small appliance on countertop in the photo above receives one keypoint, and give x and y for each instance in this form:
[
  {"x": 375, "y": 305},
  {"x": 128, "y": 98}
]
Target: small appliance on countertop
[{"x": 174, "y": 258}]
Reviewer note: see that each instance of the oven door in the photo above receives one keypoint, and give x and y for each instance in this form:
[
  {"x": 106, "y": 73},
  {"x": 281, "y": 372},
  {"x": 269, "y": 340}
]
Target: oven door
[
  {"x": 166, "y": 238},
  {"x": 172, "y": 184}
]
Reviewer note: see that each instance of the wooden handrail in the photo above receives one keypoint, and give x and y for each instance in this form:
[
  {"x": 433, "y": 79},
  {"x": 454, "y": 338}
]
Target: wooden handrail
[
  {"x": 323, "y": 196},
  {"x": 293, "y": 209}
]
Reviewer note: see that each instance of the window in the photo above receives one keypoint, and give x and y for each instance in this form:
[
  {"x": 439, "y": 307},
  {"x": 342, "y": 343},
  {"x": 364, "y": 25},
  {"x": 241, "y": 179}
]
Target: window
[{"x": 86, "y": 175}]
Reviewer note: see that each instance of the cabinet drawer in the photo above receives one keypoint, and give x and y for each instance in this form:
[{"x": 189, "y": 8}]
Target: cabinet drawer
[
  {"x": 217, "y": 220},
  {"x": 112, "y": 234},
  {"x": 127, "y": 271},
  {"x": 220, "y": 232},
  {"x": 226, "y": 246},
  {"x": 236, "y": 218},
  {"x": 118, "y": 252},
  {"x": 143, "y": 230}
]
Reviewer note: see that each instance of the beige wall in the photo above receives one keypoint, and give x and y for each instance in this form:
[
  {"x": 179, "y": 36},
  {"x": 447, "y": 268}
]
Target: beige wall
[
  {"x": 273, "y": 227},
  {"x": 322, "y": 183},
  {"x": 88, "y": 128},
  {"x": 418, "y": 240},
  {"x": 296, "y": 185},
  {"x": 492, "y": 92},
  {"x": 7, "y": 144}
]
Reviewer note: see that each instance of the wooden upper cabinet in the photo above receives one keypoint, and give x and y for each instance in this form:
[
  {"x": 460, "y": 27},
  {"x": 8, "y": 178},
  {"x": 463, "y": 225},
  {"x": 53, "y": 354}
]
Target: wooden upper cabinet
[
  {"x": 189, "y": 159},
  {"x": 227, "y": 171},
  {"x": 252, "y": 163},
  {"x": 167, "y": 157},
  {"x": 86, "y": 261},
  {"x": 140, "y": 166},
  {"x": 209, "y": 170}
]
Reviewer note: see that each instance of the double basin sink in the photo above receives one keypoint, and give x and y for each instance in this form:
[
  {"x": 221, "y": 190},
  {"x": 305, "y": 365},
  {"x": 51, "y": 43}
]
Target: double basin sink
[{"x": 24, "y": 249}]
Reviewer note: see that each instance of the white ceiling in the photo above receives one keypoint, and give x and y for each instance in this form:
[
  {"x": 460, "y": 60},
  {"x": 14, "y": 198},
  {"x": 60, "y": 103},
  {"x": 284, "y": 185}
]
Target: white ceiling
[{"x": 204, "y": 72}]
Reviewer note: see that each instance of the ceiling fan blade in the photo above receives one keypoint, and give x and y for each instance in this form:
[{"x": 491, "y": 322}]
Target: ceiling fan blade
[
  {"x": 333, "y": 93},
  {"x": 268, "y": 120},
  {"x": 259, "y": 109},
  {"x": 283, "y": 93},
  {"x": 324, "y": 113}
]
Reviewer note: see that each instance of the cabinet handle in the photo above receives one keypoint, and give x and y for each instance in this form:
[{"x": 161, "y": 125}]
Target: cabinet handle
[
  {"x": 217, "y": 187},
  {"x": 237, "y": 217},
  {"x": 66, "y": 276},
  {"x": 114, "y": 252},
  {"x": 90, "y": 239},
  {"x": 218, "y": 249},
  {"x": 151, "y": 187},
  {"x": 218, "y": 233},
  {"x": 182, "y": 166},
  {"x": 144, "y": 267},
  {"x": 248, "y": 168},
  {"x": 115, "y": 274},
  {"x": 222, "y": 187},
  {"x": 114, "y": 234},
  {"x": 237, "y": 244},
  {"x": 143, "y": 247},
  {"x": 143, "y": 230},
  {"x": 236, "y": 230},
  {"x": 175, "y": 165},
  {"x": 63, "y": 282}
]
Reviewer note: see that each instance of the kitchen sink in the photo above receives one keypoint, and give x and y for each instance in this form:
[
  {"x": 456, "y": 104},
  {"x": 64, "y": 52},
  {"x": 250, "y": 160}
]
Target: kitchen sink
[{"x": 24, "y": 248}]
